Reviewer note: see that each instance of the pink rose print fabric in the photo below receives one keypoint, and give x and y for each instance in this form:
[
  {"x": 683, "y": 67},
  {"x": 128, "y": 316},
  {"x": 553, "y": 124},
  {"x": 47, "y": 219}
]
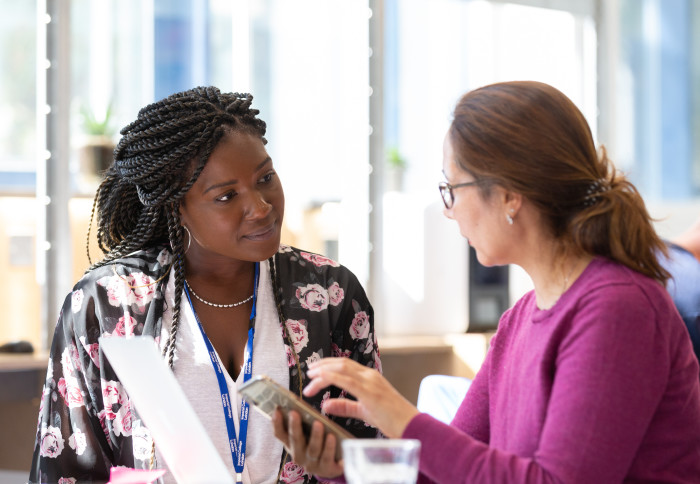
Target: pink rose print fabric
[
  {"x": 87, "y": 425},
  {"x": 319, "y": 260},
  {"x": 78, "y": 442},
  {"x": 360, "y": 326},
  {"x": 313, "y": 297},
  {"x": 298, "y": 334},
  {"x": 77, "y": 300},
  {"x": 51, "y": 443},
  {"x": 133, "y": 289},
  {"x": 335, "y": 294},
  {"x": 293, "y": 474}
]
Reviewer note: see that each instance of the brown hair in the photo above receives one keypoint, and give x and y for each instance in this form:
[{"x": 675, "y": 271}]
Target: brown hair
[{"x": 529, "y": 138}]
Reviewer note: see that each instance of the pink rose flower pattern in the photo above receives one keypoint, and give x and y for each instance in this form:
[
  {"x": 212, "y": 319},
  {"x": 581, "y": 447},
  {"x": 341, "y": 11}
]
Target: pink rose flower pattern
[
  {"x": 337, "y": 352},
  {"x": 102, "y": 416},
  {"x": 70, "y": 360},
  {"x": 313, "y": 297},
  {"x": 360, "y": 326},
  {"x": 318, "y": 260},
  {"x": 323, "y": 298},
  {"x": 336, "y": 294},
  {"x": 51, "y": 443},
  {"x": 326, "y": 396},
  {"x": 290, "y": 356},
  {"x": 72, "y": 394},
  {"x": 314, "y": 357},
  {"x": 164, "y": 257},
  {"x": 78, "y": 442},
  {"x": 292, "y": 473},
  {"x": 77, "y": 300},
  {"x": 125, "y": 326},
  {"x": 112, "y": 394},
  {"x": 297, "y": 333},
  {"x": 136, "y": 289},
  {"x": 142, "y": 441},
  {"x": 123, "y": 421},
  {"x": 93, "y": 351}
]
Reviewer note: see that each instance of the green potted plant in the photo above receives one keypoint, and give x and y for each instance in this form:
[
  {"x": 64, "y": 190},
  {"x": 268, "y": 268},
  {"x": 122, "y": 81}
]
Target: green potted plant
[
  {"x": 395, "y": 168},
  {"x": 97, "y": 145}
]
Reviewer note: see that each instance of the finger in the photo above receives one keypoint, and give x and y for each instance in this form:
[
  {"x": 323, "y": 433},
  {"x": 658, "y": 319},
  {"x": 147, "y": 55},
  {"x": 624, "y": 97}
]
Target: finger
[
  {"x": 279, "y": 428},
  {"x": 326, "y": 372},
  {"x": 352, "y": 379},
  {"x": 328, "y": 453},
  {"x": 328, "y": 466},
  {"x": 314, "y": 445},
  {"x": 334, "y": 364},
  {"x": 315, "y": 386},
  {"x": 297, "y": 439},
  {"x": 343, "y": 407}
]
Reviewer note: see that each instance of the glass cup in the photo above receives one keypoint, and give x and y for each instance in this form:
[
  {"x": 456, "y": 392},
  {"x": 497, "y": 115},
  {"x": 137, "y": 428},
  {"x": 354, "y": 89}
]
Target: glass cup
[{"x": 381, "y": 461}]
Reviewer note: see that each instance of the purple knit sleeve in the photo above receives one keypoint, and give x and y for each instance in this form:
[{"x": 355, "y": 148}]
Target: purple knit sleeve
[{"x": 611, "y": 370}]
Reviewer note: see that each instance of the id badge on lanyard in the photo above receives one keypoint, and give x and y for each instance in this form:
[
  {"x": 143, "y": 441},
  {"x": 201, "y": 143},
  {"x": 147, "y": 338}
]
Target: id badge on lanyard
[{"x": 236, "y": 443}]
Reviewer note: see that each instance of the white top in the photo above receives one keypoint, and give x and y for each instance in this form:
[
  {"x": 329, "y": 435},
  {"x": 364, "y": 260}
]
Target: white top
[{"x": 194, "y": 372}]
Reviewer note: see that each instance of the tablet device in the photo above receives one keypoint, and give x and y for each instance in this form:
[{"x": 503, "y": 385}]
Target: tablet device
[
  {"x": 165, "y": 410},
  {"x": 266, "y": 395}
]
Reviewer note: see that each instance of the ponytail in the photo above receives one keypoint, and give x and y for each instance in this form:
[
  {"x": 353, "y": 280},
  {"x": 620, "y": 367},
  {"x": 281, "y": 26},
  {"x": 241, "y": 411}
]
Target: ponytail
[
  {"x": 614, "y": 223},
  {"x": 530, "y": 138}
]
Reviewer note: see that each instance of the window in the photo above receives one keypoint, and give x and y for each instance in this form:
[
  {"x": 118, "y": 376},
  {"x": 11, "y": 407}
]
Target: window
[
  {"x": 18, "y": 66},
  {"x": 632, "y": 67},
  {"x": 656, "y": 98},
  {"x": 435, "y": 51}
]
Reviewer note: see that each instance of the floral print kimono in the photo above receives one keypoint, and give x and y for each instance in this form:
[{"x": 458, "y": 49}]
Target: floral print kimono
[{"x": 86, "y": 424}]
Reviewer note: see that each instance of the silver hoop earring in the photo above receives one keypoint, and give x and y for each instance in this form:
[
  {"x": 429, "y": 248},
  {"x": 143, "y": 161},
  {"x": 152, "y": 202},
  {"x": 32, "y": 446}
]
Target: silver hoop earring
[
  {"x": 189, "y": 238},
  {"x": 509, "y": 219}
]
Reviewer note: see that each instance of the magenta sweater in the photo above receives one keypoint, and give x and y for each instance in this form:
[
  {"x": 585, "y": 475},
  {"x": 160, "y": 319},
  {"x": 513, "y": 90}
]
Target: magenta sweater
[{"x": 601, "y": 388}]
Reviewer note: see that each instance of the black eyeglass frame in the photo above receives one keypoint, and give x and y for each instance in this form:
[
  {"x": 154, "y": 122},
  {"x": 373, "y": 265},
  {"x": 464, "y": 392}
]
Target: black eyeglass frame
[{"x": 446, "y": 189}]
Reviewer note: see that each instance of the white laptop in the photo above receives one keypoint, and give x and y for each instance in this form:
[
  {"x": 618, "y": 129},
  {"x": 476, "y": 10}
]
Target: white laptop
[{"x": 165, "y": 410}]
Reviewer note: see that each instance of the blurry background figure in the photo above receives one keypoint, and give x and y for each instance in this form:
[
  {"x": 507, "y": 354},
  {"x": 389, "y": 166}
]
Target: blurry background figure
[{"x": 684, "y": 265}]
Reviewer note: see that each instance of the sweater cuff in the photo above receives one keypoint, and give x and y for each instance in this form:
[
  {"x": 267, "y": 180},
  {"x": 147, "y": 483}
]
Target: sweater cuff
[
  {"x": 415, "y": 427},
  {"x": 335, "y": 480}
]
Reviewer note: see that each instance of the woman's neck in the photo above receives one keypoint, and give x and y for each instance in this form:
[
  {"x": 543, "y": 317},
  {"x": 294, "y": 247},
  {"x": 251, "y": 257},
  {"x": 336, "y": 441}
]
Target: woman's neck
[
  {"x": 221, "y": 282},
  {"x": 553, "y": 275}
]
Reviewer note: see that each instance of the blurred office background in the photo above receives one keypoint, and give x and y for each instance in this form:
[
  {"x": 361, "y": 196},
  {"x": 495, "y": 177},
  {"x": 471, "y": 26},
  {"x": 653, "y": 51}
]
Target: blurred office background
[{"x": 357, "y": 95}]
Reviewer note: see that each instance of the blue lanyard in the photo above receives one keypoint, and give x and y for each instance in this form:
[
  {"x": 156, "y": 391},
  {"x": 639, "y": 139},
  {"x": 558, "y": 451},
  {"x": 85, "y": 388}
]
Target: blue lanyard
[{"x": 237, "y": 445}]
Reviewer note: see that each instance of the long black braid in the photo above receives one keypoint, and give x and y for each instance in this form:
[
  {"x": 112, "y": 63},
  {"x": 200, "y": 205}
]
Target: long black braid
[
  {"x": 277, "y": 293},
  {"x": 157, "y": 160}
]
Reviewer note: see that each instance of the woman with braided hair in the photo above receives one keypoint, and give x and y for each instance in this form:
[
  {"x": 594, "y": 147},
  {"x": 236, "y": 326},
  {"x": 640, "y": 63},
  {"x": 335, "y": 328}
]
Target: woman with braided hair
[
  {"x": 189, "y": 217},
  {"x": 591, "y": 377}
]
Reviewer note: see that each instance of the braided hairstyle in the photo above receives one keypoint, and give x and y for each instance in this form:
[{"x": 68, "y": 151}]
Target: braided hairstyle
[{"x": 159, "y": 158}]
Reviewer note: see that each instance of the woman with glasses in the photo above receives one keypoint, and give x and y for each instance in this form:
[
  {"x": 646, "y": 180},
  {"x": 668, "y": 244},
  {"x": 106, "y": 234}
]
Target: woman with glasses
[{"x": 591, "y": 376}]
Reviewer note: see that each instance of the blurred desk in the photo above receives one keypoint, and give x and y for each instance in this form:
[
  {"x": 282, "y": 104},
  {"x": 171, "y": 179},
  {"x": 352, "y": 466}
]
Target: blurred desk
[
  {"x": 21, "y": 381},
  {"x": 24, "y": 361},
  {"x": 406, "y": 360}
]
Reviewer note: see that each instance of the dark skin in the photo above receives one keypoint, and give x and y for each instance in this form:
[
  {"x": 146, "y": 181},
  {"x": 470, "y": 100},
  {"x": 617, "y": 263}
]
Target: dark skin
[
  {"x": 234, "y": 214},
  {"x": 227, "y": 330}
]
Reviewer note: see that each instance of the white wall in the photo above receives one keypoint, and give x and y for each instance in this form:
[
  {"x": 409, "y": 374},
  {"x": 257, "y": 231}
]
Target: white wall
[{"x": 424, "y": 288}]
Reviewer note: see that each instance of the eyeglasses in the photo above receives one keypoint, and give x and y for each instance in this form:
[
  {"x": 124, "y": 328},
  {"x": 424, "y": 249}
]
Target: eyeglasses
[{"x": 448, "y": 197}]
